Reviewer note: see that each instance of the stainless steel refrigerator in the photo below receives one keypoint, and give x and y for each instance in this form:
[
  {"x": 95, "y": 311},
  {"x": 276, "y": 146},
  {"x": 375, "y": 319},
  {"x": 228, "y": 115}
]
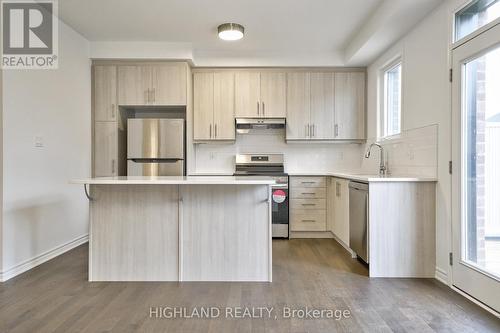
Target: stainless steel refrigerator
[{"x": 155, "y": 147}]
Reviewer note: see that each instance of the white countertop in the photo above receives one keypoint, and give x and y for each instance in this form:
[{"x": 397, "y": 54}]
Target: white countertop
[
  {"x": 367, "y": 178},
  {"x": 177, "y": 180}
]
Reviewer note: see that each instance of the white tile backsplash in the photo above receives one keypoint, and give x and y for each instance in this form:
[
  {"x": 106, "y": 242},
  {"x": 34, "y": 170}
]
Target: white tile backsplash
[{"x": 413, "y": 153}]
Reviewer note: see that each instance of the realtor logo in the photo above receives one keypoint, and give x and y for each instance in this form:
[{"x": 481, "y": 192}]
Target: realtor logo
[{"x": 29, "y": 34}]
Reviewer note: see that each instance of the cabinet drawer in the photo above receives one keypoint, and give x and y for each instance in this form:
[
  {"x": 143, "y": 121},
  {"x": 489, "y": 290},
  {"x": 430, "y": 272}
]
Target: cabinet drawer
[
  {"x": 308, "y": 193},
  {"x": 308, "y": 181},
  {"x": 308, "y": 220},
  {"x": 308, "y": 204}
]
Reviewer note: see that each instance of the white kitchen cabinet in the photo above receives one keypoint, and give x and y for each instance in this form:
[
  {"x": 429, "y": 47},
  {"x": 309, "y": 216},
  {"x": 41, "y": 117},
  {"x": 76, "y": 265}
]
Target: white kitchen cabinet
[
  {"x": 340, "y": 209},
  {"x": 105, "y": 106},
  {"x": 164, "y": 84},
  {"x": 105, "y": 149},
  {"x": 350, "y": 106},
  {"x": 213, "y": 106},
  {"x": 260, "y": 95}
]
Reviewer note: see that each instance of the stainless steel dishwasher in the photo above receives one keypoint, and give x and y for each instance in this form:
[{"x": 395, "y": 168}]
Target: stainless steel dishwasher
[{"x": 358, "y": 219}]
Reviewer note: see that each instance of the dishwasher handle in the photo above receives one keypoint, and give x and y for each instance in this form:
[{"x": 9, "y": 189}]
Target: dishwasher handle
[{"x": 358, "y": 186}]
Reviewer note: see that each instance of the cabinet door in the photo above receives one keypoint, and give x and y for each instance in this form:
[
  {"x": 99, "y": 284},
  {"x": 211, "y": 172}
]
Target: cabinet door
[
  {"x": 341, "y": 210},
  {"x": 105, "y": 93},
  {"x": 203, "y": 94},
  {"x": 273, "y": 95},
  {"x": 224, "y": 106},
  {"x": 322, "y": 106},
  {"x": 247, "y": 94},
  {"x": 169, "y": 84},
  {"x": 350, "y": 106},
  {"x": 134, "y": 85},
  {"x": 105, "y": 149},
  {"x": 298, "y": 103}
]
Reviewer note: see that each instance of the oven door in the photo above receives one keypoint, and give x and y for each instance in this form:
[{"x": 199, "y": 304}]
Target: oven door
[{"x": 280, "y": 211}]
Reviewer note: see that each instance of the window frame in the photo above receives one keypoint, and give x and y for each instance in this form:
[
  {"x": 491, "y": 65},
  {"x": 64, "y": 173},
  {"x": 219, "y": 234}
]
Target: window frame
[
  {"x": 458, "y": 42},
  {"x": 382, "y": 95}
]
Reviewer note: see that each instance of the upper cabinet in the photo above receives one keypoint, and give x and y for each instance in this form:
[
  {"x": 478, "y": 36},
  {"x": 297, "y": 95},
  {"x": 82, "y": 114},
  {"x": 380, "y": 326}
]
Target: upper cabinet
[
  {"x": 325, "y": 106},
  {"x": 260, "y": 94},
  {"x": 213, "y": 106},
  {"x": 105, "y": 108},
  {"x": 350, "y": 106},
  {"x": 163, "y": 84}
]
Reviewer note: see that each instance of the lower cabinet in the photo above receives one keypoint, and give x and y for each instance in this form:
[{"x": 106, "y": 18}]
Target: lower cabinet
[
  {"x": 308, "y": 200},
  {"x": 338, "y": 208}
]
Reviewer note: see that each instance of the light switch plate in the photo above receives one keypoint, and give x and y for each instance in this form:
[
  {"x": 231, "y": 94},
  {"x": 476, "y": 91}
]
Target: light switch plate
[{"x": 38, "y": 142}]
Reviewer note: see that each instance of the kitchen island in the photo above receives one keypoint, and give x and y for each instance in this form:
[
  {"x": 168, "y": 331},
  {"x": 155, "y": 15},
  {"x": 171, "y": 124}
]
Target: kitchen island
[{"x": 179, "y": 228}]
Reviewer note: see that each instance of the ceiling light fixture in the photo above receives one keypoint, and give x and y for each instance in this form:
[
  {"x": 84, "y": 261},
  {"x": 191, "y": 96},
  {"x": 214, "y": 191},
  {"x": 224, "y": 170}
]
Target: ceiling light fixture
[{"x": 231, "y": 31}]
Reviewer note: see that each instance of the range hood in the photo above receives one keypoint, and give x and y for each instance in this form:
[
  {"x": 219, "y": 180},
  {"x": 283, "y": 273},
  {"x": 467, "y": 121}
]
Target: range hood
[{"x": 244, "y": 125}]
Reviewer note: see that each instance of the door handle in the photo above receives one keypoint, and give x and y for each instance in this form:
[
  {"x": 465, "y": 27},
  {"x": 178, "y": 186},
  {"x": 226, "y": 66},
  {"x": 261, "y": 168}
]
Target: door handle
[
  {"x": 263, "y": 109},
  {"x": 258, "y": 108},
  {"x": 308, "y": 220},
  {"x": 313, "y": 130},
  {"x": 336, "y": 130},
  {"x": 308, "y": 204},
  {"x": 215, "y": 130},
  {"x": 113, "y": 167},
  {"x": 210, "y": 131},
  {"x": 307, "y": 130},
  {"x": 308, "y": 193}
]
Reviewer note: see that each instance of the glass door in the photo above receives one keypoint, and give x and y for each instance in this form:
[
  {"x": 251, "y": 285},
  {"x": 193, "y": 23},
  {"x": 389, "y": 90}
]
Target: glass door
[{"x": 476, "y": 160}]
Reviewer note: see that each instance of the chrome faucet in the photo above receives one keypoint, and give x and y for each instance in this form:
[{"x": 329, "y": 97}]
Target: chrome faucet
[{"x": 383, "y": 167}]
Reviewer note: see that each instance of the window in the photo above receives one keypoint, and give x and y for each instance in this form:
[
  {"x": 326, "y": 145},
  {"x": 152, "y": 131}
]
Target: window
[
  {"x": 475, "y": 15},
  {"x": 391, "y": 100}
]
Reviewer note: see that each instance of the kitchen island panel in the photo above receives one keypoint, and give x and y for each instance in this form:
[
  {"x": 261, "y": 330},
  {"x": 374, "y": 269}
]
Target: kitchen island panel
[
  {"x": 226, "y": 233},
  {"x": 134, "y": 233}
]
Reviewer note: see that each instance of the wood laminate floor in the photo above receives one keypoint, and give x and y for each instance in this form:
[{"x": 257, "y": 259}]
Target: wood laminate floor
[{"x": 319, "y": 274}]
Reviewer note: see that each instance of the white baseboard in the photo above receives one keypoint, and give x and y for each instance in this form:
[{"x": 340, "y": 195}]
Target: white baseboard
[
  {"x": 441, "y": 275},
  {"x": 310, "y": 234},
  {"x": 40, "y": 259}
]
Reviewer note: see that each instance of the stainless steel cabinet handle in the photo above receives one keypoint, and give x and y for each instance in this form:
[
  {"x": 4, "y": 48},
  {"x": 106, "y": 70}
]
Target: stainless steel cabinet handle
[
  {"x": 113, "y": 166},
  {"x": 309, "y": 193},
  {"x": 308, "y": 128},
  {"x": 215, "y": 131},
  {"x": 309, "y": 204},
  {"x": 336, "y": 130},
  {"x": 314, "y": 130},
  {"x": 308, "y": 220},
  {"x": 307, "y": 182},
  {"x": 258, "y": 108},
  {"x": 263, "y": 109},
  {"x": 210, "y": 131}
]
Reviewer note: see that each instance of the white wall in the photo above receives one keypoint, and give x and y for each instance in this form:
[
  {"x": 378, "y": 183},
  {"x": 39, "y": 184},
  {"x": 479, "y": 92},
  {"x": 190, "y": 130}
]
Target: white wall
[
  {"x": 43, "y": 214},
  {"x": 426, "y": 101}
]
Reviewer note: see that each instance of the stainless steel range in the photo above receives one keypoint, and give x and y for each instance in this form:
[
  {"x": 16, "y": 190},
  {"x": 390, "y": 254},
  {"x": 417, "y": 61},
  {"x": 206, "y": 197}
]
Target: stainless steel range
[{"x": 271, "y": 165}]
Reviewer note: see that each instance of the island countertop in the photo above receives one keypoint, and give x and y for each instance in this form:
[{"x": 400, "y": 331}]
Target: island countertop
[{"x": 177, "y": 180}]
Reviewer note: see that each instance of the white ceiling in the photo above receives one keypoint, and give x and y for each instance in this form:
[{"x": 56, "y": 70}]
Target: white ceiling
[{"x": 321, "y": 30}]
